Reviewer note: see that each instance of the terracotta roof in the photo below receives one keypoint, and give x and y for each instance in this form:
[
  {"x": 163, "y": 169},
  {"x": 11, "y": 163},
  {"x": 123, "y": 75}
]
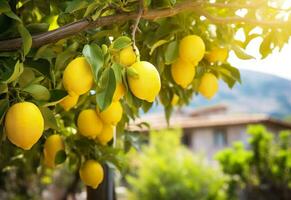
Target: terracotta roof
[{"x": 157, "y": 121}]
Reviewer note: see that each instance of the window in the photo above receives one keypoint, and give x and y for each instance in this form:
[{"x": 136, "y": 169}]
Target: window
[
  {"x": 186, "y": 138},
  {"x": 219, "y": 138}
]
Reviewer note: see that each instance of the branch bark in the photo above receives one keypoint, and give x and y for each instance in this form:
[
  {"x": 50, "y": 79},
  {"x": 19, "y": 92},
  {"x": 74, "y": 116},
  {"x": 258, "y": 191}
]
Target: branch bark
[{"x": 82, "y": 25}]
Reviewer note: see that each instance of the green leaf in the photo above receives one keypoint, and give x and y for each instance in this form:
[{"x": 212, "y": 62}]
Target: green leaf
[
  {"x": 4, "y": 105},
  {"x": 157, "y": 44},
  {"x": 3, "y": 88},
  {"x": 38, "y": 27},
  {"x": 45, "y": 52},
  {"x": 132, "y": 73},
  {"x": 49, "y": 118},
  {"x": 60, "y": 157},
  {"x": 265, "y": 47},
  {"x": 41, "y": 65},
  {"x": 26, "y": 77},
  {"x": 38, "y": 92},
  {"x": 95, "y": 57},
  {"x": 171, "y": 52},
  {"x": 117, "y": 72},
  {"x": 12, "y": 73},
  {"x": 4, "y": 7},
  {"x": 91, "y": 8},
  {"x": 121, "y": 42},
  {"x": 13, "y": 16},
  {"x": 26, "y": 39},
  {"x": 56, "y": 96},
  {"x": 104, "y": 96},
  {"x": 76, "y": 5},
  {"x": 63, "y": 58},
  {"x": 240, "y": 53}
]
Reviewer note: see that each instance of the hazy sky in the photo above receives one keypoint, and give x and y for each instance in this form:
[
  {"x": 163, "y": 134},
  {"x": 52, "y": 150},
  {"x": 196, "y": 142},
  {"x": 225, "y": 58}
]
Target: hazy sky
[{"x": 279, "y": 63}]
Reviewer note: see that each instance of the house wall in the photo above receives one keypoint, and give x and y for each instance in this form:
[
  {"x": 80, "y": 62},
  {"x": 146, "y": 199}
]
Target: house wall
[{"x": 202, "y": 139}]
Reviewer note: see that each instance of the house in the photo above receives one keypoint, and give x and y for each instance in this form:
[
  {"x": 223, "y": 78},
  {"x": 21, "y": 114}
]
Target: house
[{"x": 210, "y": 129}]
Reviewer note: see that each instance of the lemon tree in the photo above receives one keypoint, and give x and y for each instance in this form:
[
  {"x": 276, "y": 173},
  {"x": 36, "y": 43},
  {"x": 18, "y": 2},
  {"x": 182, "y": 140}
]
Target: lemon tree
[{"x": 74, "y": 73}]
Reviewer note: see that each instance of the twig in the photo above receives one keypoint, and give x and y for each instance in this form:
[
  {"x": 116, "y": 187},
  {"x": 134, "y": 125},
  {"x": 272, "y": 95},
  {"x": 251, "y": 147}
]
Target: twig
[{"x": 140, "y": 12}]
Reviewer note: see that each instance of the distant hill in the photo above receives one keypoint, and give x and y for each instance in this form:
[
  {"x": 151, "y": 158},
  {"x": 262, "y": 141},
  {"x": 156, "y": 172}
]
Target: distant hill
[{"x": 258, "y": 93}]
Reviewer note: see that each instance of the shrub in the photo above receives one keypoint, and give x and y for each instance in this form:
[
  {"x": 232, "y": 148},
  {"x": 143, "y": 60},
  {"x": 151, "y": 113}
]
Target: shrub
[{"x": 168, "y": 171}]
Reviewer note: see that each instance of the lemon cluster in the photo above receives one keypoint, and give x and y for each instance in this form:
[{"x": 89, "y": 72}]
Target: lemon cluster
[
  {"x": 77, "y": 80},
  {"x": 183, "y": 70},
  {"x": 145, "y": 81}
]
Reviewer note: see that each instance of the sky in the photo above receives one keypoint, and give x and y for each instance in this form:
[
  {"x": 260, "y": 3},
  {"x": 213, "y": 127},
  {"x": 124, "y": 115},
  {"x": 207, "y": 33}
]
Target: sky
[{"x": 278, "y": 63}]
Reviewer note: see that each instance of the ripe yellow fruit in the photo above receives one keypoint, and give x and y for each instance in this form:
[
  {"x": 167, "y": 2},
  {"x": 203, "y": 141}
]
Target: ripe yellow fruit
[
  {"x": 69, "y": 102},
  {"x": 91, "y": 173},
  {"x": 175, "y": 100},
  {"x": 147, "y": 84},
  {"x": 192, "y": 49},
  {"x": 119, "y": 92},
  {"x": 52, "y": 145},
  {"x": 106, "y": 134},
  {"x": 183, "y": 72},
  {"x": 89, "y": 123},
  {"x": 127, "y": 56},
  {"x": 78, "y": 77},
  {"x": 112, "y": 114},
  {"x": 217, "y": 55},
  {"x": 208, "y": 85},
  {"x": 24, "y": 124}
]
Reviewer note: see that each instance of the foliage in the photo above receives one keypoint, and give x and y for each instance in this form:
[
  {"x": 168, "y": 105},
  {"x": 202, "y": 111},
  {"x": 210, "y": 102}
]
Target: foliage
[
  {"x": 167, "y": 170},
  {"x": 34, "y": 73},
  {"x": 262, "y": 169}
]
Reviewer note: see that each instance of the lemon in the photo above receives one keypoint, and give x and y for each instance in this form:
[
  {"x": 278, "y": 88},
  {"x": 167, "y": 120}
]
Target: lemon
[
  {"x": 208, "y": 85},
  {"x": 89, "y": 123},
  {"x": 91, "y": 173},
  {"x": 183, "y": 72},
  {"x": 127, "y": 56},
  {"x": 217, "y": 55},
  {"x": 78, "y": 78},
  {"x": 175, "y": 100},
  {"x": 24, "y": 124},
  {"x": 52, "y": 145},
  {"x": 147, "y": 84},
  {"x": 112, "y": 114},
  {"x": 119, "y": 92},
  {"x": 106, "y": 134},
  {"x": 69, "y": 102},
  {"x": 192, "y": 49}
]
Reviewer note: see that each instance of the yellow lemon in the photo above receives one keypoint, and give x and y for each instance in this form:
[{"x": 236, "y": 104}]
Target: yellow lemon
[
  {"x": 91, "y": 173},
  {"x": 183, "y": 72},
  {"x": 52, "y": 145},
  {"x": 192, "y": 48},
  {"x": 127, "y": 56},
  {"x": 119, "y": 92},
  {"x": 106, "y": 134},
  {"x": 147, "y": 84},
  {"x": 69, "y": 102},
  {"x": 89, "y": 123},
  {"x": 112, "y": 114},
  {"x": 78, "y": 77},
  {"x": 208, "y": 85},
  {"x": 175, "y": 100},
  {"x": 217, "y": 55},
  {"x": 24, "y": 124}
]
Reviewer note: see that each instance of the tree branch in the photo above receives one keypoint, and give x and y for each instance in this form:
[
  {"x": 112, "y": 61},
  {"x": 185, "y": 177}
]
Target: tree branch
[{"x": 82, "y": 25}]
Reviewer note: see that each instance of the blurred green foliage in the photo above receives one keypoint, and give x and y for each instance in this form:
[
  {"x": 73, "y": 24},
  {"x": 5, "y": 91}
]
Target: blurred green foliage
[
  {"x": 260, "y": 170},
  {"x": 166, "y": 170}
]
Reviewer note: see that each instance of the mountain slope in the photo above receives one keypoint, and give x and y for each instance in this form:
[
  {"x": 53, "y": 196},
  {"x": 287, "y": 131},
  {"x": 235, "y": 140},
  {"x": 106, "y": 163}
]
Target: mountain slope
[{"x": 258, "y": 93}]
